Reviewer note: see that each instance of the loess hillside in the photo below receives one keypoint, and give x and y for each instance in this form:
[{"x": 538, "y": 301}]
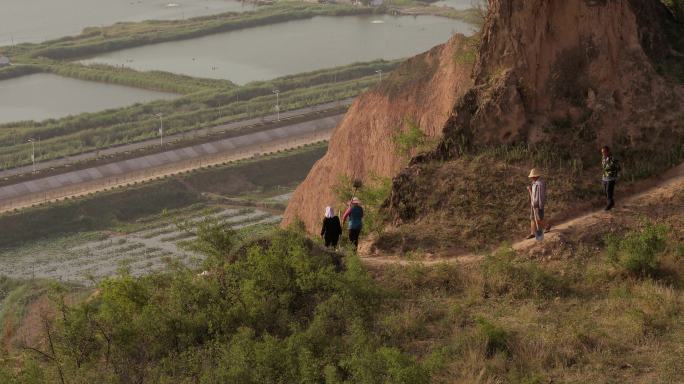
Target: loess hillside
[
  {"x": 546, "y": 84},
  {"x": 423, "y": 91},
  {"x": 554, "y": 81}
]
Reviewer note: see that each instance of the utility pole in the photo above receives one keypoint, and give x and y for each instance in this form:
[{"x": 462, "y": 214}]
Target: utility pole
[
  {"x": 379, "y": 72},
  {"x": 33, "y": 153},
  {"x": 161, "y": 128},
  {"x": 277, "y": 107}
]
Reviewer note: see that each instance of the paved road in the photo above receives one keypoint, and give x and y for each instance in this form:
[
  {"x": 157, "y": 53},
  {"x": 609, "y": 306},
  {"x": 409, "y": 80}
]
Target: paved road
[
  {"x": 120, "y": 169},
  {"x": 155, "y": 142}
]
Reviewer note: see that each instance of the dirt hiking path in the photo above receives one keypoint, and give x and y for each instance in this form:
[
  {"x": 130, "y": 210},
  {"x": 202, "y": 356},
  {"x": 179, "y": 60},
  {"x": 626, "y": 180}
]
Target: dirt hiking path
[{"x": 669, "y": 184}]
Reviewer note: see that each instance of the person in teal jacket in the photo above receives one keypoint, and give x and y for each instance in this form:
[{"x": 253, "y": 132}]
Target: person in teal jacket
[{"x": 354, "y": 214}]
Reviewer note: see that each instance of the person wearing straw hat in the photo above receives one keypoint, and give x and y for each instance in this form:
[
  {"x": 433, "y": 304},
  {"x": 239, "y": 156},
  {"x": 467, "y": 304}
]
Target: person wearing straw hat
[
  {"x": 355, "y": 215},
  {"x": 537, "y": 192},
  {"x": 332, "y": 229}
]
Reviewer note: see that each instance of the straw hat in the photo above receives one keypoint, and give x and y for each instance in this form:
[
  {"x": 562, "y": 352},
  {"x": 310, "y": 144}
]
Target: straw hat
[
  {"x": 356, "y": 200},
  {"x": 535, "y": 173}
]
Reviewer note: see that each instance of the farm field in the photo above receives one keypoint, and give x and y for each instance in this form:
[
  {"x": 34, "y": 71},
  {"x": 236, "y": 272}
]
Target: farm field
[
  {"x": 146, "y": 228},
  {"x": 89, "y": 257}
]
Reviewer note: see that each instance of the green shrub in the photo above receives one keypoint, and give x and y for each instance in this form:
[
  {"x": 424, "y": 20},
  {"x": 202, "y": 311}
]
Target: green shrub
[
  {"x": 638, "y": 253},
  {"x": 30, "y": 373},
  {"x": 496, "y": 338},
  {"x": 519, "y": 279},
  {"x": 372, "y": 194},
  {"x": 278, "y": 310},
  {"x": 409, "y": 139}
]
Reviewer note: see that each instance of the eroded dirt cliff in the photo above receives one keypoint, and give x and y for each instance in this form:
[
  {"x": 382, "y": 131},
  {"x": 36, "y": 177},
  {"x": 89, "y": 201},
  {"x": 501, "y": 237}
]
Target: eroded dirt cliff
[
  {"x": 585, "y": 64},
  {"x": 424, "y": 89},
  {"x": 554, "y": 81}
]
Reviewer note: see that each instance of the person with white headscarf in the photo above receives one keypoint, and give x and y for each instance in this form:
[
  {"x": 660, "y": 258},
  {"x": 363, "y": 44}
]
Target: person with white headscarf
[{"x": 332, "y": 229}]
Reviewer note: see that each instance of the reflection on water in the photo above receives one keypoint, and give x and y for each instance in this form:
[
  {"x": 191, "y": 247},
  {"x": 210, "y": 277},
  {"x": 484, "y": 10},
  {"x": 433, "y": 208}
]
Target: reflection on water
[
  {"x": 38, "y": 20},
  {"x": 42, "y": 96},
  {"x": 270, "y": 51}
]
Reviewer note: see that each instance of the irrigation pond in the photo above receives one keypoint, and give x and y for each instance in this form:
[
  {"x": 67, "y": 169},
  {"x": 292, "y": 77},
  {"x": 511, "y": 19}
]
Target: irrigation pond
[
  {"x": 51, "y": 19},
  {"x": 46, "y": 96},
  {"x": 270, "y": 51}
]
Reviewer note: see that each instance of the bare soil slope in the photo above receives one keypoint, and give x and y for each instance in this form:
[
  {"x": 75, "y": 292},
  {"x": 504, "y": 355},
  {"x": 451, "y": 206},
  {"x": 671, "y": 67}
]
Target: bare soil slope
[
  {"x": 667, "y": 196},
  {"x": 589, "y": 65},
  {"x": 424, "y": 89}
]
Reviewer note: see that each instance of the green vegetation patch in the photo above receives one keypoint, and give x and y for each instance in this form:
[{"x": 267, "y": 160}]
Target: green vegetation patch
[
  {"x": 281, "y": 169},
  {"x": 19, "y": 70},
  {"x": 153, "y": 80},
  {"x": 372, "y": 194},
  {"x": 276, "y": 308},
  {"x": 282, "y": 312},
  {"x": 99, "y": 212},
  {"x": 410, "y": 139},
  {"x": 638, "y": 253},
  {"x": 519, "y": 320}
]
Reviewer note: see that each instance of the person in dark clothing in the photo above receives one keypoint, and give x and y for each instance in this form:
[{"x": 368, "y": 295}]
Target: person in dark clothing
[
  {"x": 611, "y": 169},
  {"x": 332, "y": 229},
  {"x": 355, "y": 215}
]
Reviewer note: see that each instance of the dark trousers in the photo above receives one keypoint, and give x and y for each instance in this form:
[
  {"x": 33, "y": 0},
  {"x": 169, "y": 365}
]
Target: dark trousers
[
  {"x": 354, "y": 237},
  {"x": 331, "y": 241},
  {"x": 609, "y": 189}
]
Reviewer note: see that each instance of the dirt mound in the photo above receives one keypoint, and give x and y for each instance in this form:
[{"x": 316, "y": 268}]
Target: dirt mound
[
  {"x": 554, "y": 80},
  {"x": 424, "y": 89}
]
